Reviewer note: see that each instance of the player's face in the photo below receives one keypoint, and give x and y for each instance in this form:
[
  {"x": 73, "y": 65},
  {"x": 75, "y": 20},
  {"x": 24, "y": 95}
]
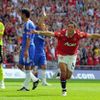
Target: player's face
[
  {"x": 43, "y": 26},
  {"x": 71, "y": 28}
]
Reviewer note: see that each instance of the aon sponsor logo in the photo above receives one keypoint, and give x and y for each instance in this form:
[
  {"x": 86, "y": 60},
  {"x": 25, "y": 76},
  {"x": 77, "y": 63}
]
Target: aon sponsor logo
[{"x": 70, "y": 44}]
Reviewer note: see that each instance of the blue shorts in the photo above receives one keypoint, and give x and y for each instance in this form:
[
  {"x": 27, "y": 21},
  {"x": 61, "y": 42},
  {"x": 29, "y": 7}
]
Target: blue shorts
[
  {"x": 40, "y": 60},
  {"x": 30, "y": 60}
]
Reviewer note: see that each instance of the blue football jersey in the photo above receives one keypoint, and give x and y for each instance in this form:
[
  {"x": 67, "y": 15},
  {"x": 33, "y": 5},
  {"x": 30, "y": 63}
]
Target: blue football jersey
[
  {"x": 28, "y": 26},
  {"x": 39, "y": 41}
]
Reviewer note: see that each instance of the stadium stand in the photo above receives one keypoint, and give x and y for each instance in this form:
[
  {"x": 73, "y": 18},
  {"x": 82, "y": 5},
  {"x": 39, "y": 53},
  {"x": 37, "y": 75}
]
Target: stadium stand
[{"x": 86, "y": 13}]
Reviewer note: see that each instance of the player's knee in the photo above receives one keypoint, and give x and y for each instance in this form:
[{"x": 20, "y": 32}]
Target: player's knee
[{"x": 68, "y": 76}]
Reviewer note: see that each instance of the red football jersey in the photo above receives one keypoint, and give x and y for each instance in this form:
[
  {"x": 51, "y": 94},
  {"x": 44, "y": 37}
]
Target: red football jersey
[{"x": 68, "y": 45}]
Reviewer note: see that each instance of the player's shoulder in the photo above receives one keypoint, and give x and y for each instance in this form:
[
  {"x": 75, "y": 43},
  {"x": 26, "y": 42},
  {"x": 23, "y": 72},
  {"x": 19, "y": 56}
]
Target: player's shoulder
[
  {"x": 60, "y": 32},
  {"x": 78, "y": 32},
  {"x": 81, "y": 33},
  {"x": 30, "y": 24},
  {"x": 63, "y": 30}
]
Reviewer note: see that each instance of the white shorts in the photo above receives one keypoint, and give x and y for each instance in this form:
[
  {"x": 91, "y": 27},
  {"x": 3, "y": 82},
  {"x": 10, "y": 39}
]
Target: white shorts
[{"x": 70, "y": 60}]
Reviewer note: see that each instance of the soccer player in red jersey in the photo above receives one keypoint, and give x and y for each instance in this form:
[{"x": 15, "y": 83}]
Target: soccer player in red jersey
[{"x": 68, "y": 42}]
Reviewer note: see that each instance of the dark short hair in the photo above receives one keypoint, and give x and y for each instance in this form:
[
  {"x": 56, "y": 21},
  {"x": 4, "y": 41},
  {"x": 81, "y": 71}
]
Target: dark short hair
[{"x": 26, "y": 12}]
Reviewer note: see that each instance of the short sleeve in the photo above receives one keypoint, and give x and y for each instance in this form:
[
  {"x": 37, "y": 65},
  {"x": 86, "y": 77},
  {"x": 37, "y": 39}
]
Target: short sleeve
[
  {"x": 30, "y": 26},
  {"x": 57, "y": 34},
  {"x": 82, "y": 35},
  {"x": 60, "y": 33}
]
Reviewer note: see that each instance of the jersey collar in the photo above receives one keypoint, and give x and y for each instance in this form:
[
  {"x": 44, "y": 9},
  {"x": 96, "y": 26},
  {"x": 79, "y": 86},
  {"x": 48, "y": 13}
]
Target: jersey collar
[{"x": 66, "y": 34}]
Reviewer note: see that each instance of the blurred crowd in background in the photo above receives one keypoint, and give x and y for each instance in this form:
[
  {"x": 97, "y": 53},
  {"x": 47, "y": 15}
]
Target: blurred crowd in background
[{"x": 85, "y": 13}]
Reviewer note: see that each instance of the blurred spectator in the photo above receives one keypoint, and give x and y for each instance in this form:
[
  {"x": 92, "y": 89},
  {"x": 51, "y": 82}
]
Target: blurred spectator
[{"x": 86, "y": 13}]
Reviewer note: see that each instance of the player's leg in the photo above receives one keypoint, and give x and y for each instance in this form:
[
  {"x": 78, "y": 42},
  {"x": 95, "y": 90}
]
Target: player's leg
[
  {"x": 22, "y": 67},
  {"x": 2, "y": 85},
  {"x": 71, "y": 61},
  {"x": 35, "y": 65},
  {"x": 35, "y": 79},
  {"x": 35, "y": 76},
  {"x": 68, "y": 73},
  {"x": 35, "y": 70},
  {"x": 62, "y": 66},
  {"x": 70, "y": 65},
  {"x": 27, "y": 78},
  {"x": 43, "y": 75},
  {"x": 63, "y": 77},
  {"x": 32, "y": 62},
  {"x": 43, "y": 66},
  {"x": 28, "y": 70}
]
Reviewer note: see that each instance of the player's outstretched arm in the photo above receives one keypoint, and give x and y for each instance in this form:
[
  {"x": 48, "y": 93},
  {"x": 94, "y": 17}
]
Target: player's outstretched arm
[
  {"x": 45, "y": 33},
  {"x": 94, "y": 36}
]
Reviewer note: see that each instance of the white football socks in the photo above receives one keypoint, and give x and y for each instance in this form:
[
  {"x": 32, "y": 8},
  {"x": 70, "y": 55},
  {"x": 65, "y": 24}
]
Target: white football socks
[
  {"x": 27, "y": 79},
  {"x": 43, "y": 76},
  {"x": 33, "y": 77}
]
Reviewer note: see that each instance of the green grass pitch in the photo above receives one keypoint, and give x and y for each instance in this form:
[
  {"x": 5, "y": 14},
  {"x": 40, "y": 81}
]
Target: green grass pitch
[{"x": 77, "y": 90}]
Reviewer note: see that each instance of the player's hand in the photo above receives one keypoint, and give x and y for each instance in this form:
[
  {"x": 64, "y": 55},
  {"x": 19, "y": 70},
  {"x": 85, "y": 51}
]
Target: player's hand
[{"x": 26, "y": 54}]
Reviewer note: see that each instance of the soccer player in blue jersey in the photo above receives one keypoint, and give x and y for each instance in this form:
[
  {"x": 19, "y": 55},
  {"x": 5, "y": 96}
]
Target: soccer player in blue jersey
[
  {"x": 27, "y": 51},
  {"x": 40, "y": 55}
]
